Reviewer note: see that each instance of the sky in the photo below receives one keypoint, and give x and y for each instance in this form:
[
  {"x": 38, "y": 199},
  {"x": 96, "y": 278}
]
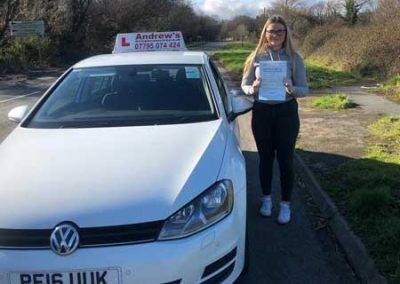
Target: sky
[{"x": 227, "y": 9}]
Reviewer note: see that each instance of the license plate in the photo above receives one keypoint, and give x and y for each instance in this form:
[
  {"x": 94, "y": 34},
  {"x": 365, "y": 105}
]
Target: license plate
[{"x": 95, "y": 276}]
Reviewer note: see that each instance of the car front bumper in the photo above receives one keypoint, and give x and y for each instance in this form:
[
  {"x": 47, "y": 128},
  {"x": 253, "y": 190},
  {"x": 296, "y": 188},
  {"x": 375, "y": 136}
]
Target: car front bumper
[{"x": 215, "y": 255}]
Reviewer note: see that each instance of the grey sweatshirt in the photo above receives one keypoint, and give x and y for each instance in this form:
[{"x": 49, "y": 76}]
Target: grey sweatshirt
[{"x": 295, "y": 72}]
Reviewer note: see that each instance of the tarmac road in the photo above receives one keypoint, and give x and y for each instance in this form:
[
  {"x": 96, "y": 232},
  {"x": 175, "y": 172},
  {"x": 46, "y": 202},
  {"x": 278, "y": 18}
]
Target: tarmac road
[
  {"x": 301, "y": 252},
  {"x": 17, "y": 90}
]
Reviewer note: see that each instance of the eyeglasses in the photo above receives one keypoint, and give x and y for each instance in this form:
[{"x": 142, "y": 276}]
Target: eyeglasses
[{"x": 276, "y": 32}]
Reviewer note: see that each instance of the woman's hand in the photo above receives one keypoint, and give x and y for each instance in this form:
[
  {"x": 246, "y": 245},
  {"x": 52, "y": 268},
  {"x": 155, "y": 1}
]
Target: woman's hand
[
  {"x": 288, "y": 85},
  {"x": 256, "y": 85}
]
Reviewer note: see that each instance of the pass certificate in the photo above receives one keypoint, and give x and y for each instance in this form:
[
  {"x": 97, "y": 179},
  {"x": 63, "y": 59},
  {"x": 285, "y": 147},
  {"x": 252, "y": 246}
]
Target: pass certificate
[{"x": 272, "y": 74}]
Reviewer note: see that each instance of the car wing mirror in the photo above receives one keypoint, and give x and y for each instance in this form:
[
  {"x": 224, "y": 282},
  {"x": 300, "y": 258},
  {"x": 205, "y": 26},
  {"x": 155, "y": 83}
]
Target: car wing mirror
[
  {"x": 17, "y": 114},
  {"x": 240, "y": 105}
]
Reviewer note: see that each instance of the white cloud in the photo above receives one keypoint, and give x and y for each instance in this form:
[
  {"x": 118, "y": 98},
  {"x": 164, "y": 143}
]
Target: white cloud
[{"x": 226, "y": 9}]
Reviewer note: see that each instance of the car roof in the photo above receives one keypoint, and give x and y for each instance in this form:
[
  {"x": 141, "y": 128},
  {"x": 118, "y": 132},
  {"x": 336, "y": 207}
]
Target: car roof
[{"x": 153, "y": 57}]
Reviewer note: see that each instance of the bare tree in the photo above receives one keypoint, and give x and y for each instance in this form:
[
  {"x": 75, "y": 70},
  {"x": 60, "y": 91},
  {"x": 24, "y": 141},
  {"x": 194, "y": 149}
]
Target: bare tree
[
  {"x": 352, "y": 10},
  {"x": 242, "y": 32},
  {"x": 387, "y": 9},
  {"x": 325, "y": 12},
  {"x": 286, "y": 7},
  {"x": 209, "y": 28},
  {"x": 77, "y": 28},
  {"x": 8, "y": 10},
  {"x": 181, "y": 17},
  {"x": 79, "y": 10},
  {"x": 230, "y": 28},
  {"x": 296, "y": 14}
]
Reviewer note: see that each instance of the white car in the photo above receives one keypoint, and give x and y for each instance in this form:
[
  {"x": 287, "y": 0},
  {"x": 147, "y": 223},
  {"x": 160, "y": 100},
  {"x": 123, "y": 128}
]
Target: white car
[{"x": 127, "y": 170}]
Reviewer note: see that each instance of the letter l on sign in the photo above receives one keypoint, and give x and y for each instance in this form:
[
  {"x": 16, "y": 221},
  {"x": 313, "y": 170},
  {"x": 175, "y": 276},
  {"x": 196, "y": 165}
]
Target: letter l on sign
[{"x": 124, "y": 42}]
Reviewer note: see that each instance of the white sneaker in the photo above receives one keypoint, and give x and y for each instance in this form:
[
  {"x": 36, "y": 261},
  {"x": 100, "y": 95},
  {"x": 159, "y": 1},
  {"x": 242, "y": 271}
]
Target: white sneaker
[
  {"x": 266, "y": 207},
  {"x": 284, "y": 214}
]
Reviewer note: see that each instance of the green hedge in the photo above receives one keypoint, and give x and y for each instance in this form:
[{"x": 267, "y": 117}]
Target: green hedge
[{"x": 20, "y": 54}]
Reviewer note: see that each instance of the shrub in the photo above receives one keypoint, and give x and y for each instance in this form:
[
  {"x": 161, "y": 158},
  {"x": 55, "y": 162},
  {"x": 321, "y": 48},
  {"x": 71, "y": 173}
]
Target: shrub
[
  {"x": 317, "y": 38},
  {"x": 22, "y": 53},
  {"x": 338, "y": 101},
  {"x": 391, "y": 88},
  {"x": 372, "y": 50}
]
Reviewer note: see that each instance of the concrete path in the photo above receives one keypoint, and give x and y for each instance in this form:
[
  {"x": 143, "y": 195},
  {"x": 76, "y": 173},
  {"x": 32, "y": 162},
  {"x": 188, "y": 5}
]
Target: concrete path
[{"x": 367, "y": 101}]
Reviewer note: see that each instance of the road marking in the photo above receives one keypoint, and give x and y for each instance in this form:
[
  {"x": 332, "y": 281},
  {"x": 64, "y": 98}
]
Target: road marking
[{"x": 19, "y": 97}]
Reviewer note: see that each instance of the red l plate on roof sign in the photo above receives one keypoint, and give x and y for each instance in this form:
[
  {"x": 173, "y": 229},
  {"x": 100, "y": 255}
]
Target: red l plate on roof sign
[{"x": 149, "y": 41}]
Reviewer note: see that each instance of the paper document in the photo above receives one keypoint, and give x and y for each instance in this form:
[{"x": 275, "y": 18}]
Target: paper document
[{"x": 272, "y": 74}]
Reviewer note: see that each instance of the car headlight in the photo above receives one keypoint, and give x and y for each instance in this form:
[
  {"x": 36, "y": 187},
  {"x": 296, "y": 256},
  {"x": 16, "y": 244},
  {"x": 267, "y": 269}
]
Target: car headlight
[{"x": 210, "y": 207}]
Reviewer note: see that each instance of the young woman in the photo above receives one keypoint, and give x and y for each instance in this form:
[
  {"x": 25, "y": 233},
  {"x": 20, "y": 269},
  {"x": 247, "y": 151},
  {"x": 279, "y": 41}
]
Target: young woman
[{"x": 275, "y": 123}]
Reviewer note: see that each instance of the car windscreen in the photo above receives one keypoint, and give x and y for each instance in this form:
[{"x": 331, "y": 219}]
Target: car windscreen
[{"x": 127, "y": 95}]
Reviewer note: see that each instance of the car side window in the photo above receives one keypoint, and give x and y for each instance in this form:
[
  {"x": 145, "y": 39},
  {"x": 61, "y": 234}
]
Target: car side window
[{"x": 221, "y": 87}]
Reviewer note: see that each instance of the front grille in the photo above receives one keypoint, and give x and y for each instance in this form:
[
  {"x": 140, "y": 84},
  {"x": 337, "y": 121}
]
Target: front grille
[
  {"x": 89, "y": 237},
  {"x": 115, "y": 235},
  {"x": 24, "y": 238}
]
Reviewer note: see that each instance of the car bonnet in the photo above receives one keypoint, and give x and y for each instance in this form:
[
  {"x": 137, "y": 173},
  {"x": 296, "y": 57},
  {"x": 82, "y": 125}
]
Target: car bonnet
[{"x": 106, "y": 176}]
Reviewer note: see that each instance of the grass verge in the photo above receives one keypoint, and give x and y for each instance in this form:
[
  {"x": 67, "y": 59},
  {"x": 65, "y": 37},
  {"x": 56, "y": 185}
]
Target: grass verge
[
  {"x": 319, "y": 74},
  {"x": 367, "y": 192},
  {"x": 322, "y": 75},
  {"x": 391, "y": 89},
  {"x": 335, "y": 102},
  {"x": 195, "y": 44},
  {"x": 233, "y": 57},
  {"x": 240, "y": 46}
]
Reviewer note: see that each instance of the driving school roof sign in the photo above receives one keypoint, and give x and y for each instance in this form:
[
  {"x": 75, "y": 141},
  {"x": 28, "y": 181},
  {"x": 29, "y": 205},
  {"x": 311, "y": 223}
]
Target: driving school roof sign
[{"x": 149, "y": 41}]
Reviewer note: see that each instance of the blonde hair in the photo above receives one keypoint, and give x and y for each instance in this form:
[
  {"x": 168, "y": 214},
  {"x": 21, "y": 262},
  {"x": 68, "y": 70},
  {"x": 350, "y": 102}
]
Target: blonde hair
[{"x": 263, "y": 43}]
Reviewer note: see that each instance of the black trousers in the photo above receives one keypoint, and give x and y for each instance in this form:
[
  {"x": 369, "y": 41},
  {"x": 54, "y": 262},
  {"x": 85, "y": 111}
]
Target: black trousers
[{"x": 275, "y": 129}]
